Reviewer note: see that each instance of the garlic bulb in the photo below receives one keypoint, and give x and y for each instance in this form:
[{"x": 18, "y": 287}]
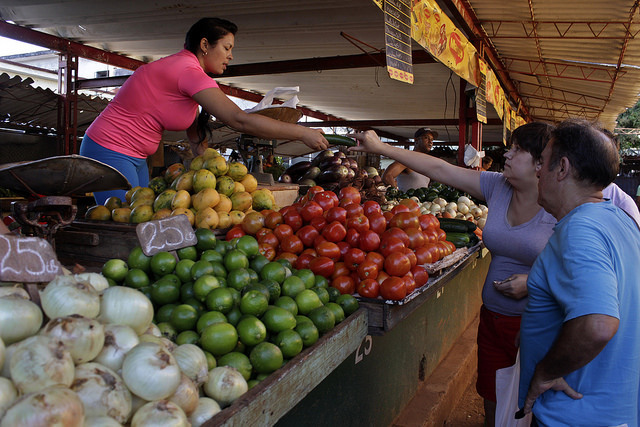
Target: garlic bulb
[
  {"x": 53, "y": 406},
  {"x": 102, "y": 392},
  {"x": 83, "y": 337},
  {"x": 65, "y": 296},
  {"x": 118, "y": 340},
  {"x": 40, "y": 362},
  {"x": 186, "y": 395},
  {"x": 150, "y": 371},
  {"x": 206, "y": 409},
  {"x": 192, "y": 362},
  {"x": 19, "y": 319},
  {"x": 8, "y": 394},
  {"x": 126, "y": 306},
  {"x": 160, "y": 413}
]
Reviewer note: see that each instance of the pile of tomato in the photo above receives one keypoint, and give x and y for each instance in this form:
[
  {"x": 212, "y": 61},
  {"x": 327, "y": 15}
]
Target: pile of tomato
[{"x": 356, "y": 246}]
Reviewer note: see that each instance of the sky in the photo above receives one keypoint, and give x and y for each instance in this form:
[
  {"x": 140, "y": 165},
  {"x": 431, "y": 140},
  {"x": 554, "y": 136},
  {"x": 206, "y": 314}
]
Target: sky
[{"x": 13, "y": 47}]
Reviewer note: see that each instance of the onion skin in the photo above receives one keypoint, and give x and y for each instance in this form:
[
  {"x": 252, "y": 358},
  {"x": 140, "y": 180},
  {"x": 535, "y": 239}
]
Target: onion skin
[
  {"x": 206, "y": 409},
  {"x": 64, "y": 296},
  {"x": 83, "y": 337},
  {"x": 192, "y": 362},
  {"x": 53, "y": 406},
  {"x": 19, "y": 319},
  {"x": 126, "y": 306},
  {"x": 160, "y": 413},
  {"x": 8, "y": 395},
  {"x": 118, "y": 340},
  {"x": 102, "y": 392},
  {"x": 151, "y": 372},
  {"x": 225, "y": 384},
  {"x": 186, "y": 395},
  {"x": 40, "y": 362}
]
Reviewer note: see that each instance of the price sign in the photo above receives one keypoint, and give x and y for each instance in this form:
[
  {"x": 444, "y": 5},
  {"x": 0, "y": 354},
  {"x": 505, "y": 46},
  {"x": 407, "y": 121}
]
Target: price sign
[
  {"x": 397, "y": 34},
  {"x": 165, "y": 234},
  {"x": 27, "y": 259}
]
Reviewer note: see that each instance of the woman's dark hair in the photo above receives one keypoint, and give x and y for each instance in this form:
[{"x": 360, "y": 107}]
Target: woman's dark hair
[
  {"x": 212, "y": 29},
  {"x": 532, "y": 137}
]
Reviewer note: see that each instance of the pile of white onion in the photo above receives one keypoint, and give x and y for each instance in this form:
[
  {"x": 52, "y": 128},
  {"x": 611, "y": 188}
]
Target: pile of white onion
[{"x": 100, "y": 361}]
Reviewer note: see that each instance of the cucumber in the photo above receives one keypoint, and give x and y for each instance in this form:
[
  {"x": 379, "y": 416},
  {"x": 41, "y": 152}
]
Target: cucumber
[
  {"x": 340, "y": 140},
  {"x": 456, "y": 225},
  {"x": 459, "y": 240}
]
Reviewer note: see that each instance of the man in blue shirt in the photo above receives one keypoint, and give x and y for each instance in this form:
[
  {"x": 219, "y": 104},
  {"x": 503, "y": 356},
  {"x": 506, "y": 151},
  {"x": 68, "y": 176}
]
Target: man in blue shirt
[{"x": 580, "y": 345}]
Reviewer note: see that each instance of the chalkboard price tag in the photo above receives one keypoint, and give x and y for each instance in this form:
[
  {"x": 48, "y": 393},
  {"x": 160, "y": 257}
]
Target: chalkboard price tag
[
  {"x": 166, "y": 234},
  {"x": 27, "y": 259}
]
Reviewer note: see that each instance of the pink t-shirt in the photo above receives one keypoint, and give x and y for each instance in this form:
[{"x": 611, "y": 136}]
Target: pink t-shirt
[{"x": 156, "y": 97}]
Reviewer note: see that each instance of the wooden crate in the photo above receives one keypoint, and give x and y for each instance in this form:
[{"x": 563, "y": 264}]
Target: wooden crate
[{"x": 284, "y": 194}]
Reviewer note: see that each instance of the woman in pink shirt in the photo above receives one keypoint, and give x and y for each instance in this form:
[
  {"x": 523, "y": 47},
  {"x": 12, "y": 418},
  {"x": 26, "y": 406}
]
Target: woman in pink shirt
[{"x": 166, "y": 95}]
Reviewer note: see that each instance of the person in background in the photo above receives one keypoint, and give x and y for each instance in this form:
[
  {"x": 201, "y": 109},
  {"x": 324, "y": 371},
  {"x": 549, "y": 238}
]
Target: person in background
[
  {"x": 638, "y": 196},
  {"x": 516, "y": 231},
  {"x": 399, "y": 175},
  {"x": 486, "y": 163},
  {"x": 166, "y": 95},
  {"x": 580, "y": 353}
]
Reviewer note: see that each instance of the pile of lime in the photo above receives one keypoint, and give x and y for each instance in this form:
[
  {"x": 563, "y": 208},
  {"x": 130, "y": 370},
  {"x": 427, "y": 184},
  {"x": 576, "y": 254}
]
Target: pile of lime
[{"x": 243, "y": 310}]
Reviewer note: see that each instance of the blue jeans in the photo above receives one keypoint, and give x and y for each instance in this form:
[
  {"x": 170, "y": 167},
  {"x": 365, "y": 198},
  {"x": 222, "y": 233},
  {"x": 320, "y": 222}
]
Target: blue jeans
[{"x": 134, "y": 169}]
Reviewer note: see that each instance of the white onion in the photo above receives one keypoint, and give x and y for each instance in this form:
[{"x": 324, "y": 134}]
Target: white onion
[
  {"x": 206, "y": 409},
  {"x": 192, "y": 362},
  {"x": 150, "y": 371},
  {"x": 41, "y": 362},
  {"x": 481, "y": 222},
  {"x": 451, "y": 205},
  {"x": 13, "y": 291},
  {"x": 54, "y": 406},
  {"x": 8, "y": 394},
  {"x": 101, "y": 422},
  {"x": 2, "y": 351},
  {"x": 162, "y": 413},
  {"x": 186, "y": 395},
  {"x": 8, "y": 352},
  {"x": 465, "y": 200},
  {"x": 102, "y": 392},
  {"x": 136, "y": 403},
  {"x": 19, "y": 319},
  {"x": 126, "y": 306},
  {"x": 65, "y": 296},
  {"x": 225, "y": 384},
  {"x": 83, "y": 337},
  {"x": 97, "y": 280},
  {"x": 165, "y": 342},
  {"x": 463, "y": 208},
  {"x": 153, "y": 330},
  {"x": 118, "y": 340}
]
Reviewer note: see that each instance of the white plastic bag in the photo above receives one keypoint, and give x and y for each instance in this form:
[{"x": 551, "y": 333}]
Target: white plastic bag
[
  {"x": 281, "y": 93},
  {"x": 472, "y": 157},
  {"x": 507, "y": 384}
]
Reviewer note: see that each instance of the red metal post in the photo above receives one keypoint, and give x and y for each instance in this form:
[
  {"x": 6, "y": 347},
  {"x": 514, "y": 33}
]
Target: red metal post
[
  {"x": 68, "y": 103},
  {"x": 462, "y": 122}
]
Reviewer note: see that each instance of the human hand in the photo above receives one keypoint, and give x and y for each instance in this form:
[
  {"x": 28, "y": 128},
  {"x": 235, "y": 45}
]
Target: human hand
[
  {"x": 539, "y": 386},
  {"x": 313, "y": 138},
  {"x": 368, "y": 141},
  {"x": 515, "y": 286}
]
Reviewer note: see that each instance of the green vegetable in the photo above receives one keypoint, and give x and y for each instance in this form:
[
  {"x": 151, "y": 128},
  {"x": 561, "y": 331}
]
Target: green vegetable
[
  {"x": 340, "y": 140},
  {"x": 456, "y": 225},
  {"x": 460, "y": 240}
]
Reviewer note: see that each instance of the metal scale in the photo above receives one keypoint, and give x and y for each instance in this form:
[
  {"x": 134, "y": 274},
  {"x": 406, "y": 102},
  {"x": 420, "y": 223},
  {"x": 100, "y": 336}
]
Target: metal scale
[{"x": 252, "y": 150}]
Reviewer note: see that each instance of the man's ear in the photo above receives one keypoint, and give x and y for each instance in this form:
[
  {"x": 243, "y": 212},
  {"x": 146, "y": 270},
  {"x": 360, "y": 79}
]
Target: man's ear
[{"x": 564, "y": 169}]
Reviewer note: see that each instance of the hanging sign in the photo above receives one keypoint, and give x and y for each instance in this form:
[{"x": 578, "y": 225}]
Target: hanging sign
[
  {"x": 481, "y": 93},
  {"x": 397, "y": 34},
  {"x": 166, "y": 234},
  {"x": 27, "y": 260}
]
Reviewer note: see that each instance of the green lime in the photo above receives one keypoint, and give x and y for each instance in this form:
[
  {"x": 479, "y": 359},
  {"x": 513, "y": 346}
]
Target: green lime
[
  {"x": 218, "y": 269},
  {"x": 300, "y": 318},
  {"x": 278, "y": 319},
  {"x": 252, "y": 383},
  {"x": 285, "y": 263},
  {"x": 195, "y": 304},
  {"x": 240, "y": 348},
  {"x": 321, "y": 282},
  {"x": 238, "y": 361},
  {"x": 333, "y": 294},
  {"x": 203, "y": 285},
  {"x": 323, "y": 318},
  {"x": 208, "y": 319},
  {"x": 323, "y": 293},
  {"x": 234, "y": 315},
  {"x": 253, "y": 276},
  {"x": 238, "y": 279},
  {"x": 115, "y": 269},
  {"x": 162, "y": 263},
  {"x": 307, "y": 300},
  {"x": 254, "y": 302},
  {"x": 235, "y": 259},
  {"x": 111, "y": 282},
  {"x": 206, "y": 239},
  {"x": 258, "y": 262},
  {"x": 348, "y": 303},
  {"x": 257, "y": 287},
  {"x": 287, "y": 303},
  {"x": 251, "y": 331},
  {"x": 137, "y": 259},
  {"x": 236, "y": 295},
  {"x": 211, "y": 255},
  {"x": 307, "y": 277},
  {"x": 292, "y": 286},
  {"x": 146, "y": 290},
  {"x": 290, "y": 343},
  {"x": 274, "y": 289},
  {"x": 164, "y": 313},
  {"x": 223, "y": 247},
  {"x": 187, "y": 337},
  {"x": 168, "y": 331},
  {"x": 171, "y": 277},
  {"x": 200, "y": 268},
  {"x": 266, "y": 357},
  {"x": 184, "y": 317},
  {"x": 211, "y": 360},
  {"x": 164, "y": 292},
  {"x": 219, "y": 338},
  {"x": 183, "y": 270},
  {"x": 186, "y": 291},
  {"x": 220, "y": 299},
  {"x": 136, "y": 278},
  {"x": 308, "y": 332},
  {"x": 248, "y": 245},
  {"x": 274, "y": 271},
  {"x": 190, "y": 252},
  {"x": 338, "y": 312}
]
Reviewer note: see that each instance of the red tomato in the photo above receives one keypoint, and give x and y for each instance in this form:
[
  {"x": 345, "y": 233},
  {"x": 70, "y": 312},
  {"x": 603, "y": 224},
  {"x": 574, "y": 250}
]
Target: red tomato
[
  {"x": 292, "y": 244},
  {"x": 430, "y": 236},
  {"x": 428, "y": 221},
  {"x": 394, "y": 288},
  {"x": 388, "y": 215},
  {"x": 283, "y": 231},
  {"x": 262, "y": 232},
  {"x": 377, "y": 223},
  {"x": 266, "y": 212},
  {"x": 423, "y": 256},
  {"x": 391, "y": 245},
  {"x": 441, "y": 234},
  {"x": 368, "y": 288},
  {"x": 269, "y": 252},
  {"x": 311, "y": 210},
  {"x": 411, "y": 204},
  {"x": 345, "y": 284},
  {"x": 352, "y": 237},
  {"x": 318, "y": 222},
  {"x": 235, "y": 231},
  {"x": 452, "y": 247},
  {"x": 369, "y": 241},
  {"x": 377, "y": 258},
  {"x": 416, "y": 237},
  {"x": 286, "y": 209},
  {"x": 292, "y": 258},
  {"x": 334, "y": 197},
  {"x": 370, "y": 207},
  {"x": 311, "y": 192},
  {"x": 324, "y": 200},
  {"x": 322, "y": 266},
  {"x": 337, "y": 214},
  {"x": 334, "y": 232},
  {"x": 329, "y": 250},
  {"x": 340, "y": 269},
  {"x": 367, "y": 270},
  {"x": 434, "y": 251},
  {"x": 398, "y": 233},
  {"x": 360, "y": 223},
  {"x": 382, "y": 276},
  {"x": 412, "y": 257},
  {"x": 420, "y": 275},
  {"x": 353, "y": 258},
  {"x": 269, "y": 239},
  {"x": 404, "y": 220},
  {"x": 303, "y": 261},
  {"x": 444, "y": 248},
  {"x": 273, "y": 220},
  {"x": 293, "y": 219},
  {"x": 409, "y": 282},
  {"x": 399, "y": 208},
  {"x": 307, "y": 235},
  {"x": 353, "y": 210},
  {"x": 344, "y": 248},
  {"x": 350, "y": 193},
  {"x": 397, "y": 264},
  {"x": 310, "y": 251}
]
